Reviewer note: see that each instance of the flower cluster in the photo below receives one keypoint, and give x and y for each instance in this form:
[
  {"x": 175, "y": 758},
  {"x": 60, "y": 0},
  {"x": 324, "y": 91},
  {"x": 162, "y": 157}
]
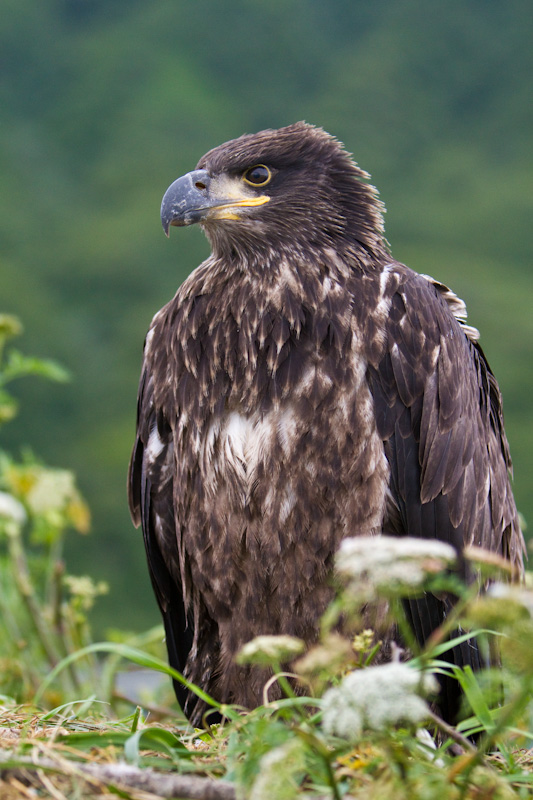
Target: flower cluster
[
  {"x": 84, "y": 590},
  {"x": 49, "y": 496},
  {"x": 377, "y": 698},
  {"x": 389, "y": 565}
]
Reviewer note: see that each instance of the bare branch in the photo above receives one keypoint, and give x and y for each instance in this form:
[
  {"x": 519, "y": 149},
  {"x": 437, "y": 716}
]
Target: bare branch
[{"x": 125, "y": 776}]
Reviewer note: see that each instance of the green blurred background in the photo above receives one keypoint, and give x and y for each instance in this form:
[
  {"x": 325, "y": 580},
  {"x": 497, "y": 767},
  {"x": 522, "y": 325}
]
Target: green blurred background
[{"x": 104, "y": 102}]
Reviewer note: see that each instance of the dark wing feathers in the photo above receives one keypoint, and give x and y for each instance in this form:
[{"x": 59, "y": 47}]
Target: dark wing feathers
[
  {"x": 151, "y": 506},
  {"x": 439, "y": 412},
  {"x": 434, "y": 390}
]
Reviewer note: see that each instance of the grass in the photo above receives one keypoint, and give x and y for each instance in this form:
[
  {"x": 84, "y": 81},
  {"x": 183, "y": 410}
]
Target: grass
[
  {"x": 265, "y": 753},
  {"x": 67, "y": 729}
]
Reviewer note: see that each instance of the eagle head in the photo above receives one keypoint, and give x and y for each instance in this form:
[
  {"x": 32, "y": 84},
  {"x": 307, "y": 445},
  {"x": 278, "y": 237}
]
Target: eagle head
[{"x": 294, "y": 187}]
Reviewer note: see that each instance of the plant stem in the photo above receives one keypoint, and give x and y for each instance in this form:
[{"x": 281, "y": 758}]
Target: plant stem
[
  {"x": 21, "y": 576},
  {"x": 313, "y": 741}
]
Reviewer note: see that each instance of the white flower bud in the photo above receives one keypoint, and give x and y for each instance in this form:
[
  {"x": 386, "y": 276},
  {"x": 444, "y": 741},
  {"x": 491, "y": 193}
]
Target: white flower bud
[{"x": 268, "y": 650}]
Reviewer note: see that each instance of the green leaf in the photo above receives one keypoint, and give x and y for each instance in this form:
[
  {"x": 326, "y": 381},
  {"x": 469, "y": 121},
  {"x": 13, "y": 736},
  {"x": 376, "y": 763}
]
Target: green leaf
[
  {"x": 449, "y": 644},
  {"x": 157, "y": 739},
  {"x": 19, "y": 365},
  {"x": 474, "y": 695},
  {"x": 86, "y": 740}
]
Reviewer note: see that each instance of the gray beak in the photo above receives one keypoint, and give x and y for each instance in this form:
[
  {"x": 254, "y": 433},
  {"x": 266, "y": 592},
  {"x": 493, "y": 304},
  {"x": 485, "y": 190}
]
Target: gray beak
[{"x": 187, "y": 201}]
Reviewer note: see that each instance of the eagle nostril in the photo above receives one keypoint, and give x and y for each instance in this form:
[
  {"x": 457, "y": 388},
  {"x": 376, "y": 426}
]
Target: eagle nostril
[{"x": 200, "y": 185}]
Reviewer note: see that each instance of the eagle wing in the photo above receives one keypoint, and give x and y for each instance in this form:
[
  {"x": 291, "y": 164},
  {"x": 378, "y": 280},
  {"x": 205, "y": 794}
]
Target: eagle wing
[
  {"x": 439, "y": 412},
  {"x": 150, "y": 492}
]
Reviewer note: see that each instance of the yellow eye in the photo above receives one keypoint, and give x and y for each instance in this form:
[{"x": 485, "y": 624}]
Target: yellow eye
[{"x": 258, "y": 175}]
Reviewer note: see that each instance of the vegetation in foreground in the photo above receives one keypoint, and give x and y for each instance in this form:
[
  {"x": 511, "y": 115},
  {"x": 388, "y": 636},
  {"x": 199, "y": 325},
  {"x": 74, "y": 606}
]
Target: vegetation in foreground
[{"x": 77, "y": 721}]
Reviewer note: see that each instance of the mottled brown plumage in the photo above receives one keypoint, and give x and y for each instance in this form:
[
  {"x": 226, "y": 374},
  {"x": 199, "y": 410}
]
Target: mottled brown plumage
[{"x": 301, "y": 387}]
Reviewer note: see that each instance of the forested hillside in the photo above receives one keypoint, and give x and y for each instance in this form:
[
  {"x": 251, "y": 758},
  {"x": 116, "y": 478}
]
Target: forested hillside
[{"x": 104, "y": 102}]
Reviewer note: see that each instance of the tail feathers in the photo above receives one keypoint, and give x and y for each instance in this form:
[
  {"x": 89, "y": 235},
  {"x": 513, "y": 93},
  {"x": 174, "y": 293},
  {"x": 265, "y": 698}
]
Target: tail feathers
[
  {"x": 179, "y": 641},
  {"x": 425, "y": 615}
]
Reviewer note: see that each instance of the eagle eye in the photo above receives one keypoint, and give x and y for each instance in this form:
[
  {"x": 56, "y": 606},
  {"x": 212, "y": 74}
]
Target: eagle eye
[{"x": 258, "y": 175}]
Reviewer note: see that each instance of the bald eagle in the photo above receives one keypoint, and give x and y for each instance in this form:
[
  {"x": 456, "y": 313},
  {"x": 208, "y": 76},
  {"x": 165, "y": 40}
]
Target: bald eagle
[{"x": 302, "y": 386}]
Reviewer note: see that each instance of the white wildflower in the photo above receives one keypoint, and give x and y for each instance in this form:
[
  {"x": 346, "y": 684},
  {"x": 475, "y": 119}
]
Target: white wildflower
[
  {"x": 269, "y": 650},
  {"x": 51, "y": 491},
  {"x": 11, "y": 509},
  {"x": 377, "y": 698},
  {"x": 390, "y": 564}
]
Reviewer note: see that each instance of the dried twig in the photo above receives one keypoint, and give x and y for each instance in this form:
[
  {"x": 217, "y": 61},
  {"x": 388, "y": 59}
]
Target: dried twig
[
  {"x": 189, "y": 787},
  {"x": 451, "y": 732}
]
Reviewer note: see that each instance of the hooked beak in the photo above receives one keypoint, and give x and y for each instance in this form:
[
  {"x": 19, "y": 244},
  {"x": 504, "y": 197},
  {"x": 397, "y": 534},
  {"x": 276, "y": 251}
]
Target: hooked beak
[{"x": 196, "y": 196}]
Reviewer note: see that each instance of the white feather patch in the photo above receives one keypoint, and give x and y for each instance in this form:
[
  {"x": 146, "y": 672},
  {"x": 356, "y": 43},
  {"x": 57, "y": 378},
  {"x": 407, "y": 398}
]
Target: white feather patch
[{"x": 155, "y": 445}]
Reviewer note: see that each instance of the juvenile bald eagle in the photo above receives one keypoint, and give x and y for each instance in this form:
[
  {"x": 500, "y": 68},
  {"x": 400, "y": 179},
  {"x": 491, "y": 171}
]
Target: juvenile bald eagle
[{"x": 301, "y": 387}]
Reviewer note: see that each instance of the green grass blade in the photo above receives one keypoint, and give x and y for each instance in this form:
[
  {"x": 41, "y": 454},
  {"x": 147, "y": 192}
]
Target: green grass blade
[{"x": 130, "y": 654}]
